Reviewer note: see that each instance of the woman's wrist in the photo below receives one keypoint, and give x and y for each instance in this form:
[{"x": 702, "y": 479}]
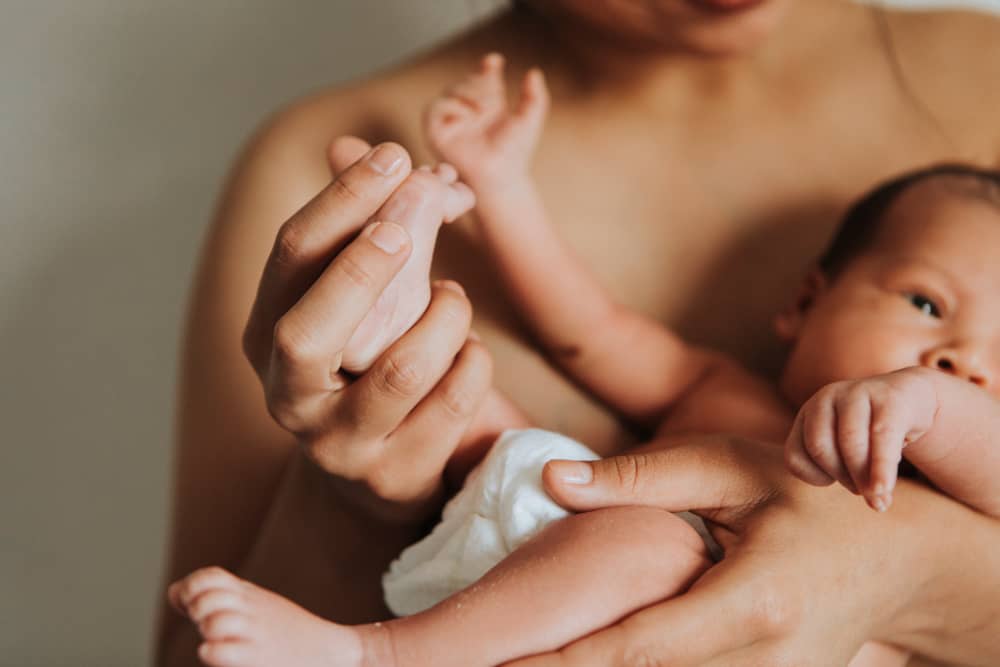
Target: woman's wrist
[{"x": 358, "y": 497}]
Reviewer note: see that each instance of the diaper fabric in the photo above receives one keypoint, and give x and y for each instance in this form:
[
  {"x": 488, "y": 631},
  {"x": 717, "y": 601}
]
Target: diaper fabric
[{"x": 501, "y": 506}]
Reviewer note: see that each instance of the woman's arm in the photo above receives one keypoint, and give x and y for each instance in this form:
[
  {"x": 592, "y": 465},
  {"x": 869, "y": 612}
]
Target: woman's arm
[
  {"x": 809, "y": 573},
  {"x": 250, "y": 495}
]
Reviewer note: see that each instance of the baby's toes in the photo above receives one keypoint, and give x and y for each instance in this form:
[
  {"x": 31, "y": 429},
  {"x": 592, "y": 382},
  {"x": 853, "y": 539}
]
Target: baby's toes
[
  {"x": 183, "y": 592},
  {"x": 228, "y": 624},
  {"x": 214, "y": 601},
  {"x": 228, "y": 653}
]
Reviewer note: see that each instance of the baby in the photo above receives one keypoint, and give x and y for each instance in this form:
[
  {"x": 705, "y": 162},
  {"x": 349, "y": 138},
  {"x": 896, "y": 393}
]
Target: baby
[{"x": 894, "y": 352}]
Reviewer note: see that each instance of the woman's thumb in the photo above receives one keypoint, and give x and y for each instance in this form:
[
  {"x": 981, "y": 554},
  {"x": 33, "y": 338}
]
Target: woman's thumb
[{"x": 676, "y": 479}]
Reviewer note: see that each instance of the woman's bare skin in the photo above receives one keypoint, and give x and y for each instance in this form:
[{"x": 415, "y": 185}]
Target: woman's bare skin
[{"x": 662, "y": 125}]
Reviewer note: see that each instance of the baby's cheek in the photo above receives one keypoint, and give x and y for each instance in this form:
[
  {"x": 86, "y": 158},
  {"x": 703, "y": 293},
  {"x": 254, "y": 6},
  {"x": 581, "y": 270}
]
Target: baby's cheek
[{"x": 858, "y": 353}]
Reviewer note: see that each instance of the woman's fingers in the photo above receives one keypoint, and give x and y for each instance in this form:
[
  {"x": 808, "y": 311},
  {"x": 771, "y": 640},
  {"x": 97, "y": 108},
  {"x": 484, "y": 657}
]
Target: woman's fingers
[
  {"x": 711, "y": 480},
  {"x": 376, "y": 403},
  {"x": 308, "y": 339},
  {"x": 425, "y": 441},
  {"x": 313, "y": 235},
  {"x": 345, "y": 151}
]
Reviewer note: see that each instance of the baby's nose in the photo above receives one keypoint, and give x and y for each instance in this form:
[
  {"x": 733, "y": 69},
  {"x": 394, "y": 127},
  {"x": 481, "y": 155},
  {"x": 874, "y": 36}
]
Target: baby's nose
[{"x": 961, "y": 362}]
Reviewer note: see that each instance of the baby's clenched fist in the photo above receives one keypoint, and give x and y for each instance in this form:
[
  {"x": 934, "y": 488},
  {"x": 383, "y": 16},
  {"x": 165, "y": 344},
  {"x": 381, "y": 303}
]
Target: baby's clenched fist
[{"x": 854, "y": 432}]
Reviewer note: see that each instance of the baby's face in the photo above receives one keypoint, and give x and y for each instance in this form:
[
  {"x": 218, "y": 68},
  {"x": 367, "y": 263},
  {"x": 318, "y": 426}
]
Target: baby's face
[{"x": 927, "y": 293}]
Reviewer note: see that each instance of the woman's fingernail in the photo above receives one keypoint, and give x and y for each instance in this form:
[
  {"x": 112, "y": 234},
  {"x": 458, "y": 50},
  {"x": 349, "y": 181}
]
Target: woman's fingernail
[
  {"x": 385, "y": 159},
  {"x": 450, "y": 284},
  {"x": 493, "y": 59},
  {"x": 878, "y": 503},
  {"x": 387, "y": 236},
  {"x": 573, "y": 472}
]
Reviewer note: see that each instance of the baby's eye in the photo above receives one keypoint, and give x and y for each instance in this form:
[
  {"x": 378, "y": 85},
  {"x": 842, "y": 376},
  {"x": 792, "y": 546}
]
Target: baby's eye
[{"x": 923, "y": 304}]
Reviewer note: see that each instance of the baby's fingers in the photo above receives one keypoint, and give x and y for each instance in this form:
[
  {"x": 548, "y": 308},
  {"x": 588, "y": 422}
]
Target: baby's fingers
[
  {"x": 854, "y": 414},
  {"x": 483, "y": 91},
  {"x": 819, "y": 433},
  {"x": 798, "y": 462},
  {"x": 887, "y": 439}
]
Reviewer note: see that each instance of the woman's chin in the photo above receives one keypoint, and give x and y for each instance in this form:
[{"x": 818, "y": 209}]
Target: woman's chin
[{"x": 725, "y": 28}]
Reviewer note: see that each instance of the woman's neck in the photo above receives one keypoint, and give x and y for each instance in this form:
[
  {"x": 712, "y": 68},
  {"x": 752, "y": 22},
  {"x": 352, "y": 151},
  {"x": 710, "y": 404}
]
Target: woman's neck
[{"x": 582, "y": 61}]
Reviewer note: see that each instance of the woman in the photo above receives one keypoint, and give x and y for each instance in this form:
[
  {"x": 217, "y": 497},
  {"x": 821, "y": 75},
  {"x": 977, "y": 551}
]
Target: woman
[{"x": 697, "y": 155}]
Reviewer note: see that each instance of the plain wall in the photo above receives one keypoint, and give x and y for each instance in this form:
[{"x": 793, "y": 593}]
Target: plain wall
[{"x": 117, "y": 121}]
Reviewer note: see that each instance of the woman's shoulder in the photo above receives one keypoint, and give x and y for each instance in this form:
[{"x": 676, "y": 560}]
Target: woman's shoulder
[
  {"x": 383, "y": 106},
  {"x": 939, "y": 41},
  {"x": 951, "y": 61}
]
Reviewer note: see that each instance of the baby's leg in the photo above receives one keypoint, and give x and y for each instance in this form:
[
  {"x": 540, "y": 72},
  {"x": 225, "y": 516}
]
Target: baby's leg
[
  {"x": 425, "y": 199},
  {"x": 576, "y": 576}
]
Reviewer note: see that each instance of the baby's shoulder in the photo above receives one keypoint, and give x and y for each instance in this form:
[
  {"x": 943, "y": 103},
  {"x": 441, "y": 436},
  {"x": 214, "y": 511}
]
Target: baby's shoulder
[{"x": 731, "y": 399}]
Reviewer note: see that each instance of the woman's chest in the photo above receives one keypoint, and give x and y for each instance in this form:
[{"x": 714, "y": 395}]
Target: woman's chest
[{"x": 706, "y": 231}]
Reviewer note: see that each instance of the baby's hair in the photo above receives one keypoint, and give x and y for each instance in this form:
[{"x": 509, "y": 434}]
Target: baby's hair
[{"x": 859, "y": 226}]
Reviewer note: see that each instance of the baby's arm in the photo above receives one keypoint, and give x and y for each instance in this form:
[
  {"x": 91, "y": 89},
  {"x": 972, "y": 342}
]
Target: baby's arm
[
  {"x": 855, "y": 432},
  {"x": 628, "y": 360}
]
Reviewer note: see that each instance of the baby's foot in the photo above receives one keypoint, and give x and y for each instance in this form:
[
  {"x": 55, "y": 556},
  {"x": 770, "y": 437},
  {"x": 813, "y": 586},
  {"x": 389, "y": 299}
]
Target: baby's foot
[
  {"x": 471, "y": 127},
  {"x": 426, "y": 198},
  {"x": 243, "y": 625}
]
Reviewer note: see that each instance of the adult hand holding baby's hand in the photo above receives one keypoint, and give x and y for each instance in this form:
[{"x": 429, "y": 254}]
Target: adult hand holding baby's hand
[
  {"x": 318, "y": 284},
  {"x": 808, "y": 576}
]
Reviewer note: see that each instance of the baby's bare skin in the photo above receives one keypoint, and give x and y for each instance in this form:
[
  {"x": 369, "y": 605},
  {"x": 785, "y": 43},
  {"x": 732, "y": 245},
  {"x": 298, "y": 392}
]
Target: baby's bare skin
[
  {"x": 243, "y": 625},
  {"x": 428, "y": 198}
]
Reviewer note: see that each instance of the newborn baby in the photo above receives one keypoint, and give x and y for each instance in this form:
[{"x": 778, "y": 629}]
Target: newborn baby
[{"x": 894, "y": 352}]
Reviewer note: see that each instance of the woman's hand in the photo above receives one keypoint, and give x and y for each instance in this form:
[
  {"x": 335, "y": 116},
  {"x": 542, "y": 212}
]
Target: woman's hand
[
  {"x": 388, "y": 433},
  {"x": 809, "y": 573}
]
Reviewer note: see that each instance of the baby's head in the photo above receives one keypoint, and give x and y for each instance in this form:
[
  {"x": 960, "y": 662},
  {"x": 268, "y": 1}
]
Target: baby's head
[{"x": 912, "y": 278}]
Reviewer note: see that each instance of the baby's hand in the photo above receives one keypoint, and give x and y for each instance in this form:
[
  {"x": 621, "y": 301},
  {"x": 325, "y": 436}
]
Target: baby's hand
[
  {"x": 854, "y": 432},
  {"x": 471, "y": 127}
]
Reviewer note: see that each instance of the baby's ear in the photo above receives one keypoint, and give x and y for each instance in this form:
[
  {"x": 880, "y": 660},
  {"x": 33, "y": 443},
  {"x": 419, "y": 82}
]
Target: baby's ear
[{"x": 788, "y": 323}]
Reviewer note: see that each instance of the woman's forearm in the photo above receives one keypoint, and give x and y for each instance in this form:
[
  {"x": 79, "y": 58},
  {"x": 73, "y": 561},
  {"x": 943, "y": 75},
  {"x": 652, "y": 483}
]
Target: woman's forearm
[
  {"x": 315, "y": 549},
  {"x": 321, "y": 551}
]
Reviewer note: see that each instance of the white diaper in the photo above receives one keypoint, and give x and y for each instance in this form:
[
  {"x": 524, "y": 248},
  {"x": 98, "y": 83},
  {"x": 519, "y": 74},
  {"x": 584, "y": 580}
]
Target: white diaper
[{"x": 500, "y": 507}]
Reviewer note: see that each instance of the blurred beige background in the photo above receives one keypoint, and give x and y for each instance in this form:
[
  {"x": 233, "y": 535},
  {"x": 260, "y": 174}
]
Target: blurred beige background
[{"x": 117, "y": 121}]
